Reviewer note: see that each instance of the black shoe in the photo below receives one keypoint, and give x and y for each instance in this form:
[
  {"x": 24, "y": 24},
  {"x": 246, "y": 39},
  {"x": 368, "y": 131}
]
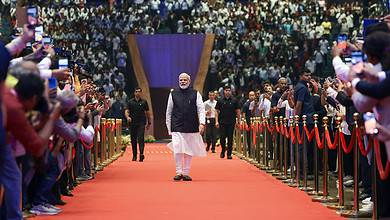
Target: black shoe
[
  {"x": 134, "y": 158},
  {"x": 229, "y": 157},
  {"x": 207, "y": 149},
  {"x": 60, "y": 202},
  {"x": 178, "y": 177},
  {"x": 213, "y": 151},
  {"x": 141, "y": 158},
  {"x": 187, "y": 178},
  {"x": 67, "y": 193},
  {"x": 364, "y": 196},
  {"x": 222, "y": 155}
]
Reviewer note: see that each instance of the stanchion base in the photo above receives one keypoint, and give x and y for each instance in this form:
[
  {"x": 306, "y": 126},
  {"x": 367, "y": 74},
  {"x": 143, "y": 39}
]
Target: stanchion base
[
  {"x": 281, "y": 177},
  {"x": 335, "y": 206},
  {"x": 288, "y": 181},
  {"x": 265, "y": 168},
  {"x": 99, "y": 168},
  {"x": 325, "y": 199},
  {"x": 271, "y": 171},
  {"x": 315, "y": 193},
  {"x": 258, "y": 165},
  {"x": 277, "y": 173},
  {"x": 306, "y": 189},
  {"x": 293, "y": 185},
  {"x": 355, "y": 214}
]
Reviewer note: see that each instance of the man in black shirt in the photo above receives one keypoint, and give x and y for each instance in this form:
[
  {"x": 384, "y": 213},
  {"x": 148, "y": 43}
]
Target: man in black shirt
[
  {"x": 136, "y": 114},
  {"x": 228, "y": 109}
]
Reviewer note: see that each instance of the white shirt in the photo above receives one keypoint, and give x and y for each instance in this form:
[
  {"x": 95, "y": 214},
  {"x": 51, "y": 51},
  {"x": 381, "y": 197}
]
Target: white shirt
[
  {"x": 210, "y": 106},
  {"x": 265, "y": 106}
]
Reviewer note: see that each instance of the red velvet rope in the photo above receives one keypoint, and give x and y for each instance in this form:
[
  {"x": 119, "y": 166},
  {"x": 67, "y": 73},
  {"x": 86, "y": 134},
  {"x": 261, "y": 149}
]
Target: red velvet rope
[
  {"x": 286, "y": 132},
  {"x": 383, "y": 173},
  {"x": 309, "y": 135},
  {"x": 87, "y": 146},
  {"x": 299, "y": 137},
  {"x": 260, "y": 127},
  {"x": 113, "y": 127},
  {"x": 348, "y": 149},
  {"x": 361, "y": 145},
  {"x": 292, "y": 134},
  {"x": 277, "y": 128},
  {"x": 328, "y": 140},
  {"x": 270, "y": 130},
  {"x": 318, "y": 139},
  {"x": 281, "y": 130}
]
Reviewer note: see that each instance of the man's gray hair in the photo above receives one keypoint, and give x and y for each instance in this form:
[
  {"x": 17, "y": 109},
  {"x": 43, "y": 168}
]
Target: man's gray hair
[{"x": 185, "y": 74}]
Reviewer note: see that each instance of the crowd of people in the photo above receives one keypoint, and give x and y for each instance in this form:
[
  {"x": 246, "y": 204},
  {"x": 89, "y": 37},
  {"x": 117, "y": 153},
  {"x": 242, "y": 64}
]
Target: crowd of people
[{"x": 358, "y": 86}]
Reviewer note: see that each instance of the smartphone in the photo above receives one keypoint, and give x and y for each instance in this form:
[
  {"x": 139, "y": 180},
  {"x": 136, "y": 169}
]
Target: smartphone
[
  {"x": 370, "y": 123},
  {"x": 52, "y": 83},
  {"x": 357, "y": 61},
  {"x": 342, "y": 41},
  {"x": 32, "y": 15},
  {"x": 39, "y": 33},
  {"x": 46, "y": 40},
  {"x": 63, "y": 63}
]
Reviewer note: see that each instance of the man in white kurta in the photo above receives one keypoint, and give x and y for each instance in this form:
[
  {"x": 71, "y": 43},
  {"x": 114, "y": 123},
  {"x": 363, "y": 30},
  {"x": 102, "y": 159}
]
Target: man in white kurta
[{"x": 185, "y": 120}]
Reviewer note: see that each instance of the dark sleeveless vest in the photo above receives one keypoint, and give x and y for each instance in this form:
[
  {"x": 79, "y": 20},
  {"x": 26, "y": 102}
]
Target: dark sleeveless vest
[{"x": 185, "y": 112}]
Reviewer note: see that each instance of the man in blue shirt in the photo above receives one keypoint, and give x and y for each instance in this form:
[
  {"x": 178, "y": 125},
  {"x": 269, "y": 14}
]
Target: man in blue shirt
[
  {"x": 303, "y": 105},
  {"x": 302, "y": 98}
]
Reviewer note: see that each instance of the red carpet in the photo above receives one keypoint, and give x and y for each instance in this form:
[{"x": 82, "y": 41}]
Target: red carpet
[{"x": 221, "y": 189}]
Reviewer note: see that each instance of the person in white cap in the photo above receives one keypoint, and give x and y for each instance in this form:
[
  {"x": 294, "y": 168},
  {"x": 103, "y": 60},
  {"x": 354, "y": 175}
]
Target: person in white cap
[{"x": 185, "y": 120}]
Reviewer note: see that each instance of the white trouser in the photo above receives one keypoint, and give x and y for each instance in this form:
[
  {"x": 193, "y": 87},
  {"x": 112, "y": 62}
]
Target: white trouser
[{"x": 183, "y": 162}]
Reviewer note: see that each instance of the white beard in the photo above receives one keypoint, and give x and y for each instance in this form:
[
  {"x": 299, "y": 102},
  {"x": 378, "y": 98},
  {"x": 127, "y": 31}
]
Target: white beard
[{"x": 184, "y": 87}]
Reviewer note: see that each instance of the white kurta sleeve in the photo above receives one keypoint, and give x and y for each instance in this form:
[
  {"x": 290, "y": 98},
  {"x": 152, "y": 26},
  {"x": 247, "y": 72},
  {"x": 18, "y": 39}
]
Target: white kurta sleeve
[
  {"x": 363, "y": 103},
  {"x": 44, "y": 68},
  {"x": 341, "y": 69},
  {"x": 201, "y": 109},
  {"x": 168, "y": 114}
]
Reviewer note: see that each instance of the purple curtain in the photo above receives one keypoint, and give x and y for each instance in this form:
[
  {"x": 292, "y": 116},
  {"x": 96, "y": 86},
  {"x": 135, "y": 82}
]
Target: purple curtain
[{"x": 165, "y": 56}]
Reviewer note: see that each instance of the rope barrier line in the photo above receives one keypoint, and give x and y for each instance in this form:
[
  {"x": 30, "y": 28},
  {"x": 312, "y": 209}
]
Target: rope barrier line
[
  {"x": 361, "y": 145},
  {"x": 383, "y": 173},
  {"x": 328, "y": 140},
  {"x": 348, "y": 149}
]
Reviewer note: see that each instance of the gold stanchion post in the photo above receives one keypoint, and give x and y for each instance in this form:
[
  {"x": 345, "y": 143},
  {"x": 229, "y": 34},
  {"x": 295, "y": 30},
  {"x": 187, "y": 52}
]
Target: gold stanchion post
[
  {"x": 325, "y": 198},
  {"x": 316, "y": 191}
]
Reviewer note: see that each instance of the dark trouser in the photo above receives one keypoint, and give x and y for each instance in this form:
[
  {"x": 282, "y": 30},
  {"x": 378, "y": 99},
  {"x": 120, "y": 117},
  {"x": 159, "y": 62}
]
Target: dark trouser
[
  {"x": 249, "y": 136},
  {"x": 226, "y": 131},
  {"x": 46, "y": 181},
  {"x": 79, "y": 159},
  {"x": 87, "y": 162},
  {"x": 11, "y": 179},
  {"x": 309, "y": 154},
  {"x": 211, "y": 133},
  {"x": 137, "y": 132},
  {"x": 365, "y": 174}
]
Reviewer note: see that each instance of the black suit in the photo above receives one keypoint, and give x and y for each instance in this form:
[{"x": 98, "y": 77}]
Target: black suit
[{"x": 375, "y": 90}]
